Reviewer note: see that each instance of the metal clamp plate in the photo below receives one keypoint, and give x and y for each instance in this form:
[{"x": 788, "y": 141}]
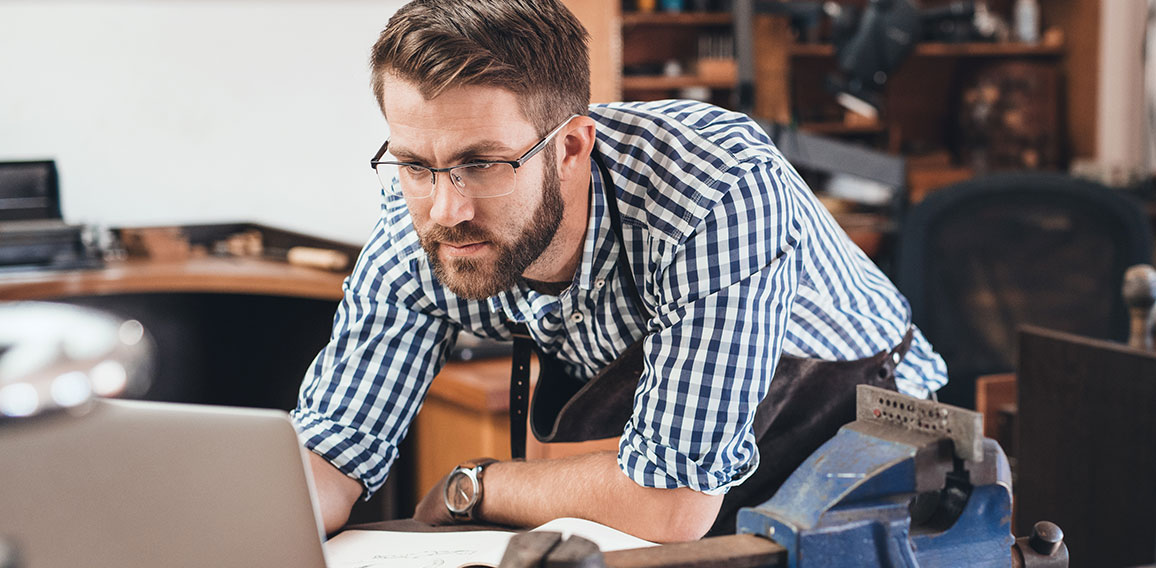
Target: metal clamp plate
[{"x": 963, "y": 427}]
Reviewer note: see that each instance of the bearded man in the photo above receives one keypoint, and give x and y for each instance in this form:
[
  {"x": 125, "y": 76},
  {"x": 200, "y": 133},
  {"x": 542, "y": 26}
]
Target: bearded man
[{"x": 684, "y": 289}]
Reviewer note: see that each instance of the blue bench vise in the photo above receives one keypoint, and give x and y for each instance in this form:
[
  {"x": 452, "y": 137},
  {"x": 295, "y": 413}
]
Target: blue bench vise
[{"x": 910, "y": 483}]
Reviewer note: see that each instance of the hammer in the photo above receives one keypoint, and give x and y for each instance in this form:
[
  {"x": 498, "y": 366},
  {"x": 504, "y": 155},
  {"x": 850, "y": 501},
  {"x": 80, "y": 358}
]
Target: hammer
[{"x": 1140, "y": 295}]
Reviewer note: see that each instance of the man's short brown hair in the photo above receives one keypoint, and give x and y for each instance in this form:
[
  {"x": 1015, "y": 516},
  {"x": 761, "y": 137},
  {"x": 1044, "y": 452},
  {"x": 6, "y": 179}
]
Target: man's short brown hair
[{"x": 533, "y": 48}]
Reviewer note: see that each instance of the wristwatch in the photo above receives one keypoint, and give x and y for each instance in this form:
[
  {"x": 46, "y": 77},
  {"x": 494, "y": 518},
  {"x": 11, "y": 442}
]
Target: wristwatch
[{"x": 463, "y": 490}]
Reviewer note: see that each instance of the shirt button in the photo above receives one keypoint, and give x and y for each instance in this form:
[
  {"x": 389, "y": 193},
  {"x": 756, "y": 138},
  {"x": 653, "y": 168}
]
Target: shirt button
[
  {"x": 577, "y": 317},
  {"x": 599, "y": 283}
]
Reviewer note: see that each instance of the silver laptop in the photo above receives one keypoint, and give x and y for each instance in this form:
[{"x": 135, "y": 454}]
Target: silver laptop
[{"x": 133, "y": 484}]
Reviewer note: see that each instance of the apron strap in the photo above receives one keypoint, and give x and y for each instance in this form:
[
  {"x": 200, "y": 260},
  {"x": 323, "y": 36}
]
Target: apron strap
[
  {"x": 519, "y": 388},
  {"x": 624, "y": 268},
  {"x": 524, "y": 343}
]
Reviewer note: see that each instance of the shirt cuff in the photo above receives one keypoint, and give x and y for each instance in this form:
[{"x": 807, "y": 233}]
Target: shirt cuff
[
  {"x": 361, "y": 457},
  {"x": 650, "y": 464},
  {"x": 921, "y": 371}
]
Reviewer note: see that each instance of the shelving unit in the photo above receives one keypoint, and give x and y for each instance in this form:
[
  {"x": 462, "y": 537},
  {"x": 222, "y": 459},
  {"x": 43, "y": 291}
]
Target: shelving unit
[
  {"x": 922, "y": 99},
  {"x": 689, "y": 19},
  {"x": 652, "y": 40},
  {"x": 930, "y": 49},
  {"x": 664, "y": 83},
  {"x": 625, "y": 39},
  {"x": 922, "y": 105}
]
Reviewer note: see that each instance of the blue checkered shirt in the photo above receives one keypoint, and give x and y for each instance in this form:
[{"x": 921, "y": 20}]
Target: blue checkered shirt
[{"x": 735, "y": 258}]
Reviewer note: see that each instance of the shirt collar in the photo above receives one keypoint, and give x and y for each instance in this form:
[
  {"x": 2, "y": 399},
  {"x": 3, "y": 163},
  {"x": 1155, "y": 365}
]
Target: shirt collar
[{"x": 598, "y": 250}]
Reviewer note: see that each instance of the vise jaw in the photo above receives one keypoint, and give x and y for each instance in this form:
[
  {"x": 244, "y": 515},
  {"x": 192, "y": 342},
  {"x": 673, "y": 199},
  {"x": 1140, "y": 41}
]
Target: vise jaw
[{"x": 910, "y": 483}]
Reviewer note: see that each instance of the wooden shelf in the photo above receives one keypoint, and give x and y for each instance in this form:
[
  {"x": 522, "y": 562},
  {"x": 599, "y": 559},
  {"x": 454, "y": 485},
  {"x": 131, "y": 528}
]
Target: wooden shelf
[
  {"x": 841, "y": 128},
  {"x": 931, "y": 49},
  {"x": 1008, "y": 49},
  {"x": 676, "y": 19},
  {"x": 660, "y": 82},
  {"x": 812, "y": 50}
]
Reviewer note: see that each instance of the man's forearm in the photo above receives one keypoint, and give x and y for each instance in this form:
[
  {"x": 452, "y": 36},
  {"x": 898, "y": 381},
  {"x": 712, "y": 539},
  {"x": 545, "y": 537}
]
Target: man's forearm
[
  {"x": 591, "y": 486},
  {"x": 336, "y": 492}
]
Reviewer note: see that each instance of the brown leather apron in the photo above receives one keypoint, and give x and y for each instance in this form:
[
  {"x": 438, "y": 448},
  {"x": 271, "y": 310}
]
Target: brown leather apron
[{"x": 806, "y": 404}]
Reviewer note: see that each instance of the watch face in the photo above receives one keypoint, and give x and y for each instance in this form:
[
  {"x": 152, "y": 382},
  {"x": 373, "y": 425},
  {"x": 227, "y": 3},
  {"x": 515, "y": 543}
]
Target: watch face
[{"x": 461, "y": 490}]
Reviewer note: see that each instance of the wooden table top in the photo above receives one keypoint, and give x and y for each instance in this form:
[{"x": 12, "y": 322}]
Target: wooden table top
[{"x": 206, "y": 274}]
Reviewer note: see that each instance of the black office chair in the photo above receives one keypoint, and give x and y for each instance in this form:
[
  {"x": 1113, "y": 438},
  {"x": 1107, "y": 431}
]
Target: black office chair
[{"x": 979, "y": 258}]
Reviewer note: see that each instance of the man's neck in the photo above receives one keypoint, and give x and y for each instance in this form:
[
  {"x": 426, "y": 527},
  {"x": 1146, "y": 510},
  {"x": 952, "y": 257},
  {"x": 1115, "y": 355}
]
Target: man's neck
[{"x": 548, "y": 288}]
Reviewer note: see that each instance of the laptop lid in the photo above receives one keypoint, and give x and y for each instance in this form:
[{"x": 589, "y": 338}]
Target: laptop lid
[{"x": 136, "y": 484}]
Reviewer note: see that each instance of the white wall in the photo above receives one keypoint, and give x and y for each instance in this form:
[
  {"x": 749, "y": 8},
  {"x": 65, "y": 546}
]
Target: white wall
[
  {"x": 1121, "y": 120},
  {"x": 1150, "y": 89},
  {"x": 186, "y": 111}
]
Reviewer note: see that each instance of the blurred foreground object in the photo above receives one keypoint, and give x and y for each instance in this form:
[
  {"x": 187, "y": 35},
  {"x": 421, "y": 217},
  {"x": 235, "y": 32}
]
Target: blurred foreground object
[{"x": 55, "y": 356}]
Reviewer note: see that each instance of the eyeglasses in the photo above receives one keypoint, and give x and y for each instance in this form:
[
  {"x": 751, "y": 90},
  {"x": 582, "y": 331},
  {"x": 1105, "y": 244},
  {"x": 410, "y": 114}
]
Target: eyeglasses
[{"x": 473, "y": 179}]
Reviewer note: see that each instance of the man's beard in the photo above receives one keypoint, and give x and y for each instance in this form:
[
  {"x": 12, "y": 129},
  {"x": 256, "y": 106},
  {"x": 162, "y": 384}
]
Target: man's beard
[{"x": 476, "y": 280}]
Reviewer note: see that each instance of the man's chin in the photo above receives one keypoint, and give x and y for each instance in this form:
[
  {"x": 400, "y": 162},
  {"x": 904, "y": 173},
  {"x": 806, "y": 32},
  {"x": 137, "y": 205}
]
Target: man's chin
[{"x": 470, "y": 281}]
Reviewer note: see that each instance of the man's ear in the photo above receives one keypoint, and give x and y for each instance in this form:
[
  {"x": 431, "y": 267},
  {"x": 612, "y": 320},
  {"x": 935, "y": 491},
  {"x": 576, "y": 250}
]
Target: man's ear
[{"x": 577, "y": 143}]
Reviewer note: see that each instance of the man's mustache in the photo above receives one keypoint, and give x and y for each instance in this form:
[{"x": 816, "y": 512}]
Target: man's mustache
[{"x": 460, "y": 233}]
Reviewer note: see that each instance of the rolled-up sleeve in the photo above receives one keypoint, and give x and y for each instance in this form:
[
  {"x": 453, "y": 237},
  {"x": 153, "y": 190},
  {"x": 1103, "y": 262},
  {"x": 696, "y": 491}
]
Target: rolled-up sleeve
[
  {"x": 365, "y": 387},
  {"x": 728, "y": 291}
]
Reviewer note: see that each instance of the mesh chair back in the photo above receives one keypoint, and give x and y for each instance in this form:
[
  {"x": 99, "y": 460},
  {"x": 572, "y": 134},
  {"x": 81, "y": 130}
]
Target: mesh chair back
[{"x": 982, "y": 257}]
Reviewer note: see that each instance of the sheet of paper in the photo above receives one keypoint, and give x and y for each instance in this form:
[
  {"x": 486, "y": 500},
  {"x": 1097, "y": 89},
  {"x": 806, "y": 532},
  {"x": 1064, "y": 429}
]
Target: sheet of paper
[
  {"x": 383, "y": 549},
  {"x": 380, "y": 549},
  {"x": 606, "y": 538}
]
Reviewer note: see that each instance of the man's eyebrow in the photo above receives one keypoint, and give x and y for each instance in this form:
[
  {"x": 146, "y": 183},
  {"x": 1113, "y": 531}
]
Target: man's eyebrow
[{"x": 485, "y": 147}]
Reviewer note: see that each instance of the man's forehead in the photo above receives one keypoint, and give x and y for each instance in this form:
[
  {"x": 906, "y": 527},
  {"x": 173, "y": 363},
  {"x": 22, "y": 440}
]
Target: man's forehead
[
  {"x": 456, "y": 151},
  {"x": 467, "y": 105},
  {"x": 459, "y": 120}
]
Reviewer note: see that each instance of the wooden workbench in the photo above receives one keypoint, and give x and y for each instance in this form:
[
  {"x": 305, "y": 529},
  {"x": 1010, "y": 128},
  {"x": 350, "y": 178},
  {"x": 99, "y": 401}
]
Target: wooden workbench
[{"x": 206, "y": 274}]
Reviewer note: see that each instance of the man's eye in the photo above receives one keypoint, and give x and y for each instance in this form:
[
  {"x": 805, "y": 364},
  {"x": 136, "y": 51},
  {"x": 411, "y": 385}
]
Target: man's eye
[{"x": 414, "y": 170}]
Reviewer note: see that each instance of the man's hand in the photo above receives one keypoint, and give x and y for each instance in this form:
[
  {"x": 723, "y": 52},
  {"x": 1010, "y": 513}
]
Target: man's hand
[
  {"x": 432, "y": 508},
  {"x": 336, "y": 493}
]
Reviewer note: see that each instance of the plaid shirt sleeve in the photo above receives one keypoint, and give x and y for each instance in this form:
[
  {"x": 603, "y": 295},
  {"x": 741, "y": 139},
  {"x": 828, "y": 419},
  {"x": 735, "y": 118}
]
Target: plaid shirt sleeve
[
  {"x": 725, "y": 298},
  {"x": 740, "y": 264},
  {"x": 364, "y": 388}
]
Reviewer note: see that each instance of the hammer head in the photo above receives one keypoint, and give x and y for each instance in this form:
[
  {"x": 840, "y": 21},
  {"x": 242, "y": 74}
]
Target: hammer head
[
  {"x": 1140, "y": 295},
  {"x": 1140, "y": 286}
]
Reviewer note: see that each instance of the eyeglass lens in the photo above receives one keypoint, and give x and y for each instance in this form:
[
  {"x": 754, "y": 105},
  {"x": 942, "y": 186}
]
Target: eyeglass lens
[{"x": 471, "y": 180}]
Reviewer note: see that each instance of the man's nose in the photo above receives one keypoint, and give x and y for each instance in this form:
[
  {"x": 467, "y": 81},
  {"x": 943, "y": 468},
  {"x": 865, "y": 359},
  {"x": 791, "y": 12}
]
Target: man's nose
[{"x": 449, "y": 207}]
